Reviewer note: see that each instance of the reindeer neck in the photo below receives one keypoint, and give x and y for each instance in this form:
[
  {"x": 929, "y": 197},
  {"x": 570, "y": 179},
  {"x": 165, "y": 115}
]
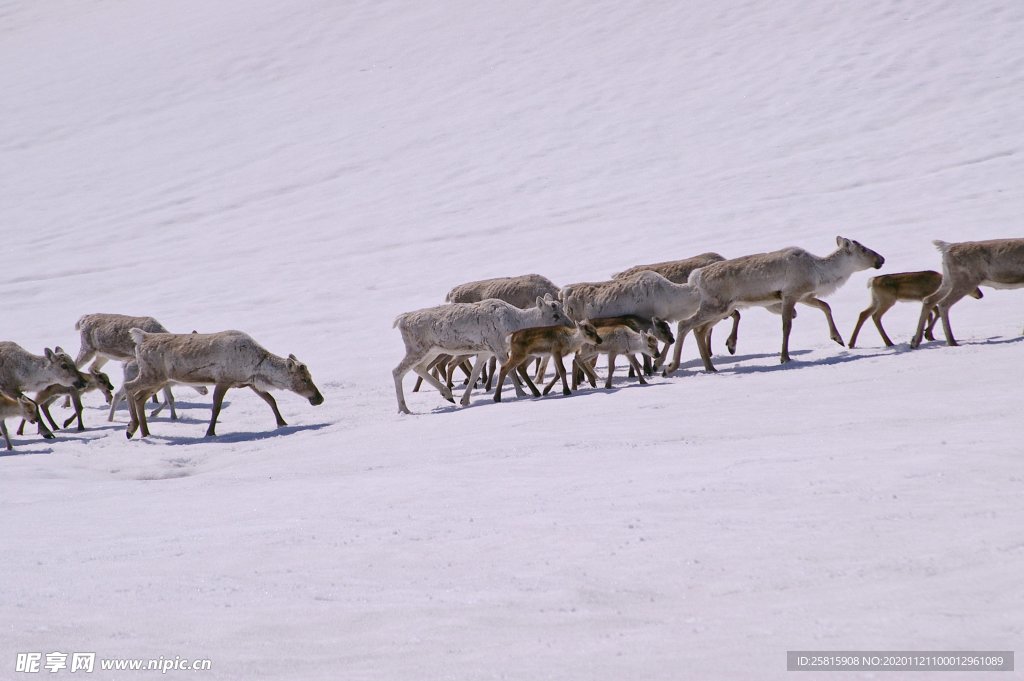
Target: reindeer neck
[{"x": 837, "y": 267}]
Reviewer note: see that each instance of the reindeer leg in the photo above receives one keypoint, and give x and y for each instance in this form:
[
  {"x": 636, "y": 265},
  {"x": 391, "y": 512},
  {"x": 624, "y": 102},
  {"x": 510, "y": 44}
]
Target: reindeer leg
[
  {"x": 636, "y": 365},
  {"x": 218, "y": 401},
  {"x": 169, "y": 400},
  {"x": 701, "y": 338},
  {"x": 611, "y": 370},
  {"x": 76, "y": 399},
  {"x": 787, "y": 327},
  {"x": 876, "y": 317},
  {"x": 7, "y": 436},
  {"x": 525, "y": 375},
  {"x": 41, "y": 425},
  {"x": 44, "y": 408},
  {"x": 933, "y": 318},
  {"x": 730, "y": 342},
  {"x": 860, "y": 322},
  {"x": 269, "y": 399},
  {"x": 834, "y": 334},
  {"x": 478, "y": 365}
]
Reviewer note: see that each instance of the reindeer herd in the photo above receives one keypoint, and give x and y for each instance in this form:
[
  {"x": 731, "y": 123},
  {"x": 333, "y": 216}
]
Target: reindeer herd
[
  {"x": 516, "y": 319},
  {"x": 153, "y": 360},
  {"x": 513, "y": 320}
]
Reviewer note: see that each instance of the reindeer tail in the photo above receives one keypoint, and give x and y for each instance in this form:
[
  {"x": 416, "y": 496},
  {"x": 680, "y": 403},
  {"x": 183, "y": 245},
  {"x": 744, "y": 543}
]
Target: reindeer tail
[
  {"x": 942, "y": 246},
  {"x": 138, "y": 335}
]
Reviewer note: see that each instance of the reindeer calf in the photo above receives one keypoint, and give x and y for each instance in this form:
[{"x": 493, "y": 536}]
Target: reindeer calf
[
  {"x": 618, "y": 340},
  {"x": 557, "y": 341},
  {"x": 886, "y": 289},
  {"x": 94, "y": 380},
  {"x": 13, "y": 407}
]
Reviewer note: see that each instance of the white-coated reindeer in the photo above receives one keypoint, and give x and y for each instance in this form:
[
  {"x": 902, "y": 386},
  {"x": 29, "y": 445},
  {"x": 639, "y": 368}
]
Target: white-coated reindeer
[
  {"x": 105, "y": 337},
  {"x": 998, "y": 263},
  {"x": 228, "y": 359},
  {"x": 131, "y": 372},
  {"x": 14, "y": 407},
  {"x": 480, "y": 329},
  {"x": 21, "y": 372},
  {"x": 785, "y": 277},
  {"x": 521, "y": 291},
  {"x": 647, "y": 294},
  {"x": 678, "y": 272}
]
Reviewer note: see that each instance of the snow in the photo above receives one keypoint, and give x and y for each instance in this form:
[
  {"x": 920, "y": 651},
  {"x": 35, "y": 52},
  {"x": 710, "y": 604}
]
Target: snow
[{"x": 307, "y": 171}]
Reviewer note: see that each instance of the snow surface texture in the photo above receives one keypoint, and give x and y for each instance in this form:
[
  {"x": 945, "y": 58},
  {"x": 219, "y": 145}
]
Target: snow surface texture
[{"x": 306, "y": 171}]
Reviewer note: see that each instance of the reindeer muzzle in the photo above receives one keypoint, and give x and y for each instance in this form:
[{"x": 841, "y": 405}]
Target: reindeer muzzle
[
  {"x": 316, "y": 400},
  {"x": 879, "y": 262}
]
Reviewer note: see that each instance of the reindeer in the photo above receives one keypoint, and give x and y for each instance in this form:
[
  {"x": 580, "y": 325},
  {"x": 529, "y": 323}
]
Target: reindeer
[
  {"x": 228, "y": 359},
  {"x": 21, "y": 372},
  {"x": 520, "y": 291},
  {"x": 678, "y": 272},
  {"x": 105, "y": 337},
  {"x": 998, "y": 263},
  {"x": 94, "y": 380},
  {"x": 557, "y": 341},
  {"x": 646, "y": 294},
  {"x": 13, "y": 407},
  {"x": 785, "y": 277},
  {"x": 886, "y": 289},
  {"x": 618, "y": 339},
  {"x": 480, "y": 329},
  {"x": 657, "y": 328}
]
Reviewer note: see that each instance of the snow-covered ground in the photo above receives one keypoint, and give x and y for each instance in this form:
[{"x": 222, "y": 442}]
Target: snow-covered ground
[{"x": 306, "y": 171}]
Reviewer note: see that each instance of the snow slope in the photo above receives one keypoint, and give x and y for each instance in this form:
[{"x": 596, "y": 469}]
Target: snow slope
[{"x": 306, "y": 171}]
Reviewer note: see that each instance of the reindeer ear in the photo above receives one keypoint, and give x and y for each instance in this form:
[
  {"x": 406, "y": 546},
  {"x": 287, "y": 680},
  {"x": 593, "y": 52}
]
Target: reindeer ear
[
  {"x": 293, "y": 358},
  {"x": 48, "y": 353},
  {"x": 58, "y": 350},
  {"x": 547, "y": 296},
  {"x": 540, "y": 302},
  {"x": 842, "y": 242}
]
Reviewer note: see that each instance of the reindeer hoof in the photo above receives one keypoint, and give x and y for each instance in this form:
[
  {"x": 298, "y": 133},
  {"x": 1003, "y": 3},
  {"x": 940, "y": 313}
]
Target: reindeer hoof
[{"x": 49, "y": 436}]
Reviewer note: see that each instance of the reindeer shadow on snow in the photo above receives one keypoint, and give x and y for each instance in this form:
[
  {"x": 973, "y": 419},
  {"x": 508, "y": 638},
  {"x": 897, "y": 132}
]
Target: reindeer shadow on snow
[{"x": 234, "y": 437}]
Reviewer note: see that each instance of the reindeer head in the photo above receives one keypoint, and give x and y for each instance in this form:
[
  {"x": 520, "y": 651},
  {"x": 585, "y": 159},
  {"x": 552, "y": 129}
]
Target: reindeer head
[
  {"x": 589, "y": 332},
  {"x": 64, "y": 370},
  {"x": 662, "y": 331},
  {"x": 553, "y": 315},
  {"x": 302, "y": 382},
  {"x": 101, "y": 382},
  {"x": 649, "y": 343},
  {"x": 863, "y": 255}
]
